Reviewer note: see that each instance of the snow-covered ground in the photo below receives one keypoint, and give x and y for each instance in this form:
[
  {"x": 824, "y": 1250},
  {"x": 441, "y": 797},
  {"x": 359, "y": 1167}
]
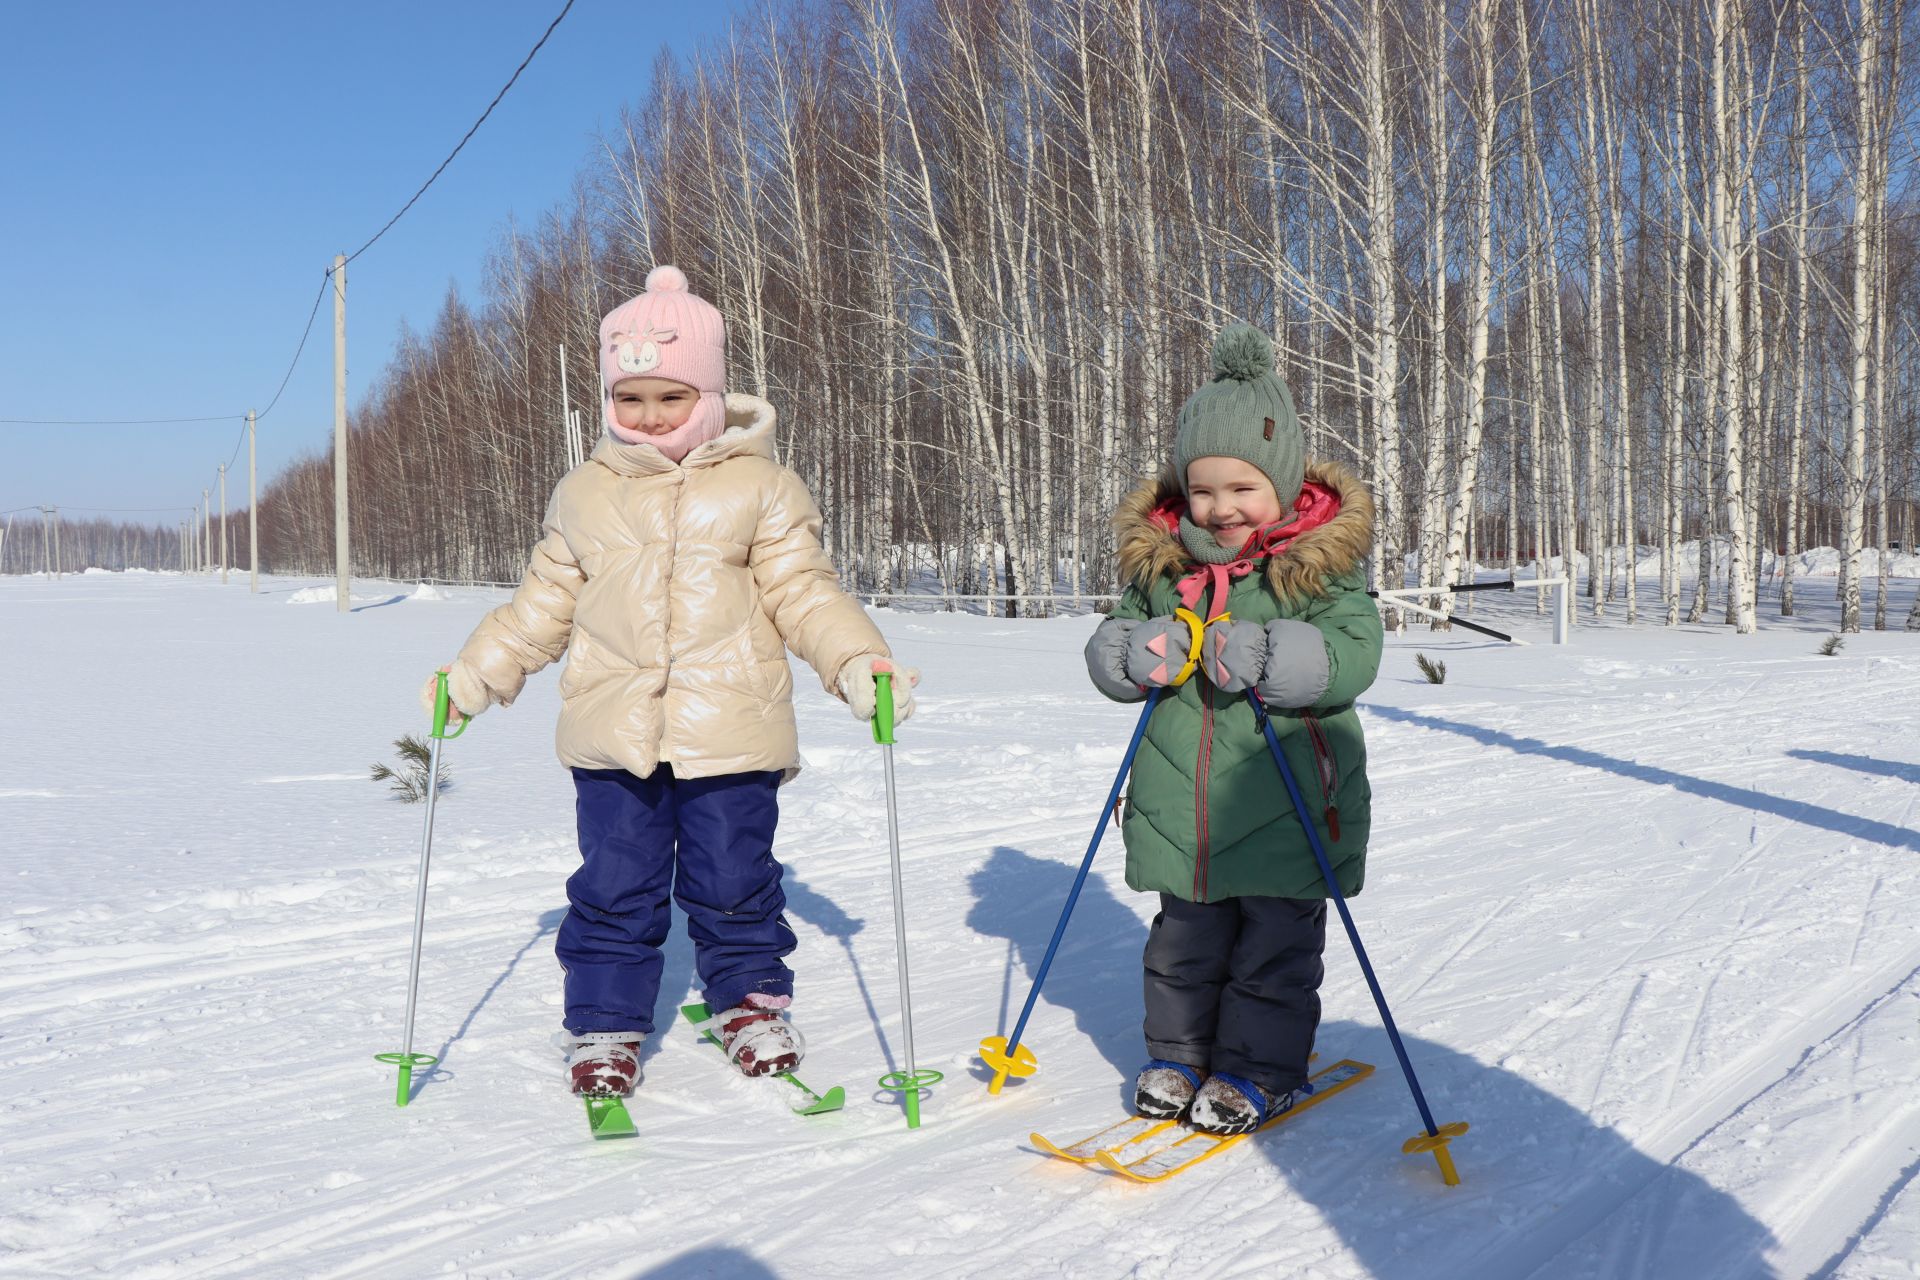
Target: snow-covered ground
[{"x": 1643, "y": 905}]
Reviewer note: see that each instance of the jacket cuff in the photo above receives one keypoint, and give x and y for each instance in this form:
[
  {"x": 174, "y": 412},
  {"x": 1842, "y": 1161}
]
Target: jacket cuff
[
  {"x": 467, "y": 691},
  {"x": 1297, "y": 669},
  {"x": 1107, "y": 660}
]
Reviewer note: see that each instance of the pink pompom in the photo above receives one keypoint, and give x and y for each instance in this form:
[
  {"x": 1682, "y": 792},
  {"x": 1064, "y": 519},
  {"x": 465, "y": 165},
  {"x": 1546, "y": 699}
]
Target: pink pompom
[{"x": 666, "y": 279}]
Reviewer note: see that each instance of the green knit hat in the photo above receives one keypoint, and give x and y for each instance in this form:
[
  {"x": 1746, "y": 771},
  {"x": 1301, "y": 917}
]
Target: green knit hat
[{"x": 1245, "y": 412}]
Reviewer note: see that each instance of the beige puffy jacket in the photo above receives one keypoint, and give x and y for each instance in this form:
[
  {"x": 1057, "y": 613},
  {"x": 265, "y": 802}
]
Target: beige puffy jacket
[{"x": 675, "y": 590}]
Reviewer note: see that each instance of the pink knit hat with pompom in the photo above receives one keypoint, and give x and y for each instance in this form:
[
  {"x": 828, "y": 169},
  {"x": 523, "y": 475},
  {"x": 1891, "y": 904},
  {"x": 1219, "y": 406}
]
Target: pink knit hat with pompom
[{"x": 667, "y": 332}]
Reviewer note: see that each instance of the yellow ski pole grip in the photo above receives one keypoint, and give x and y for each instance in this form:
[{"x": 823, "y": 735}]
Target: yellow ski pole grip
[{"x": 1196, "y": 631}]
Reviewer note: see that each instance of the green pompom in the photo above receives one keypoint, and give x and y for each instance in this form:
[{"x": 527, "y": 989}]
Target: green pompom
[{"x": 1242, "y": 352}]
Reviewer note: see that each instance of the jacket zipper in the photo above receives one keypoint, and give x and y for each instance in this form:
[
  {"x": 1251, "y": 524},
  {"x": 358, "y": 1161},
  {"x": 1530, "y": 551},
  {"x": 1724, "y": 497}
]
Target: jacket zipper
[
  {"x": 1328, "y": 767},
  {"x": 1217, "y": 597}
]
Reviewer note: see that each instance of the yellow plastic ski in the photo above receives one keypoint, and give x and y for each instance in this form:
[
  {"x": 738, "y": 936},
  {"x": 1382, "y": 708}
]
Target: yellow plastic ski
[
  {"x": 1114, "y": 1137},
  {"x": 1160, "y": 1162}
]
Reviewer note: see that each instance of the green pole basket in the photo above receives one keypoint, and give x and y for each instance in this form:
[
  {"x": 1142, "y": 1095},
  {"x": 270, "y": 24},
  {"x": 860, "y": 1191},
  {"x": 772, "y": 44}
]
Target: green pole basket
[
  {"x": 912, "y": 1086},
  {"x": 406, "y": 1062}
]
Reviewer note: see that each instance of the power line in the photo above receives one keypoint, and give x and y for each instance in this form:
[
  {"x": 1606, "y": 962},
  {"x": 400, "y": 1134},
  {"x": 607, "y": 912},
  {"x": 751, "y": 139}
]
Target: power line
[
  {"x": 325, "y": 277},
  {"x": 109, "y": 422},
  {"x": 237, "y": 443},
  {"x": 469, "y": 134}
]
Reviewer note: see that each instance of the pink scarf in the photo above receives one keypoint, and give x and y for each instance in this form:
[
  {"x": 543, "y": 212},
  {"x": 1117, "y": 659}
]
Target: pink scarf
[{"x": 1315, "y": 506}]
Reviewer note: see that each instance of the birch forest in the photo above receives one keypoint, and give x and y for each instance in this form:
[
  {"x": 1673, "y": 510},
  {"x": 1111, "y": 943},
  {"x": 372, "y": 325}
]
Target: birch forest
[{"x": 1580, "y": 282}]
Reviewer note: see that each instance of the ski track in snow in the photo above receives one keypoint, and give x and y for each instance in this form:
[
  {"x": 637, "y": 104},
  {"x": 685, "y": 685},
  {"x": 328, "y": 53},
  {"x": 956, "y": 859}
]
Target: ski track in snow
[{"x": 1664, "y": 965}]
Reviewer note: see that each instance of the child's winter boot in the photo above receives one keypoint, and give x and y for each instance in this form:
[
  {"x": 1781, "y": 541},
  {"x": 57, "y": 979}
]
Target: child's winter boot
[
  {"x": 1227, "y": 1105},
  {"x": 757, "y": 1039},
  {"x": 1164, "y": 1089},
  {"x": 603, "y": 1068}
]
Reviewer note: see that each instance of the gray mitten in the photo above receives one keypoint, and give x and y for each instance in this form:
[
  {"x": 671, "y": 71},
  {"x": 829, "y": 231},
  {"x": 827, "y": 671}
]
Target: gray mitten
[
  {"x": 1235, "y": 655},
  {"x": 1297, "y": 670},
  {"x": 1157, "y": 651},
  {"x": 1107, "y": 660}
]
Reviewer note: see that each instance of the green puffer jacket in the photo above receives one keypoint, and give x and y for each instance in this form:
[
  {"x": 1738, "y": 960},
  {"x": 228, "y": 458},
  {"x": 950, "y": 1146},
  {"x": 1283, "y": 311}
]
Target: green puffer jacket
[{"x": 1207, "y": 816}]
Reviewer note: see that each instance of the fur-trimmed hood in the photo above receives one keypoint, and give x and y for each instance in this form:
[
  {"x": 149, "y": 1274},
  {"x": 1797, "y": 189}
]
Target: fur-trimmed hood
[{"x": 1149, "y": 550}]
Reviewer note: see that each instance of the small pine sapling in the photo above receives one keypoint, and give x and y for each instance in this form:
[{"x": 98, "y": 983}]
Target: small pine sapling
[
  {"x": 1435, "y": 671},
  {"x": 1832, "y": 645},
  {"x": 409, "y": 781}
]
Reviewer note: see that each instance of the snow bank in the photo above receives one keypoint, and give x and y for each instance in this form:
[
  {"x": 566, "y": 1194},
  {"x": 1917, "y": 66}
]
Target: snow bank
[{"x": 327, "y": 595}]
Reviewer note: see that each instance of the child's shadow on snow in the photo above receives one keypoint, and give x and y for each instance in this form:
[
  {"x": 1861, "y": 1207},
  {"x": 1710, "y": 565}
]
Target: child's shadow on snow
[
  {"x": 716, "y": 1261},
  {"x": 1095, "y": 975},
  {"x": 1572, "y": 1198}
]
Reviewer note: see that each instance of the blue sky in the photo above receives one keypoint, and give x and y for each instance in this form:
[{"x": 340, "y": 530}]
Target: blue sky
[{"x": 178, "y": 177}]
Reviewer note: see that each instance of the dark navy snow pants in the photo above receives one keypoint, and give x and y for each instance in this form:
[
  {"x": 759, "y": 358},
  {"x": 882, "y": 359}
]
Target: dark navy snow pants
[
  {"x": 1234, "y": 985},
  {"x": 709, "y": 840}
]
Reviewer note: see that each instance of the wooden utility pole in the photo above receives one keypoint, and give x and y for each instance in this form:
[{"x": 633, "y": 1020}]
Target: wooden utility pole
[
  {"x": 341, "y": 578},
  {"x": 206, "y": 529},
  {"x": 253, "y": 507},
  {"x": 46, "y": 538}
]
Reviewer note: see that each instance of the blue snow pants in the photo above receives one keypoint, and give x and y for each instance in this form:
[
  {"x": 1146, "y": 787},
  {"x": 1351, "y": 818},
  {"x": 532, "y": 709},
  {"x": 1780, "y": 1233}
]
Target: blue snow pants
[{"x": 708, "y": 839}]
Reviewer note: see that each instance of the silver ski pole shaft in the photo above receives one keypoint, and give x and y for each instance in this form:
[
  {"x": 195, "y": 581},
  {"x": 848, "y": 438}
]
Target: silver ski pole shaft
[
  {"x": 420, "y": 896},
  {"x": 407, "y": 1059},
  {"x": 899, "y": 903},
  {"x": 910, "y": 1082}
]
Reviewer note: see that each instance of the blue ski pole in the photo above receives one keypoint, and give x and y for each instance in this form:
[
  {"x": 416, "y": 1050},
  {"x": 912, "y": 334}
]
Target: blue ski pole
[
  {"x": 1006, "y": 1055},
  {"x": 1435, "y": 1139}
]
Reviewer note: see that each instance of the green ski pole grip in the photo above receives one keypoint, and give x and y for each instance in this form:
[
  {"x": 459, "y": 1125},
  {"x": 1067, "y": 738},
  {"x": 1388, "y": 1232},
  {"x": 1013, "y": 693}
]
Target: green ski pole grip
[
  {"x": 883, "y": 708},
  {"x": 440, "y": 704}
]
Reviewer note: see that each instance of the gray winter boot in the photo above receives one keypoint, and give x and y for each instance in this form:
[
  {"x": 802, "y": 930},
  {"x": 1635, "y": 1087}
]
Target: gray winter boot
[
  {"x": 1227, "y": 1105},
  {"x": 1164, "y": 1089}
]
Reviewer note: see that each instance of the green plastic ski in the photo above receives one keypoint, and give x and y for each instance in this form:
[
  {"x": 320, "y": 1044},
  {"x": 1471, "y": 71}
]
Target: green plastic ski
[
  {"x": 815, "y": 1103},
  {"x": 1146, "y": 1150},
  {"x": 607, "y": 1116}
]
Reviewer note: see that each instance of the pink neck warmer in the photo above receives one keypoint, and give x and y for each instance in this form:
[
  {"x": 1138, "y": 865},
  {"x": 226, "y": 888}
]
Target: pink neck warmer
[{"x": 708, "y": 420}]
